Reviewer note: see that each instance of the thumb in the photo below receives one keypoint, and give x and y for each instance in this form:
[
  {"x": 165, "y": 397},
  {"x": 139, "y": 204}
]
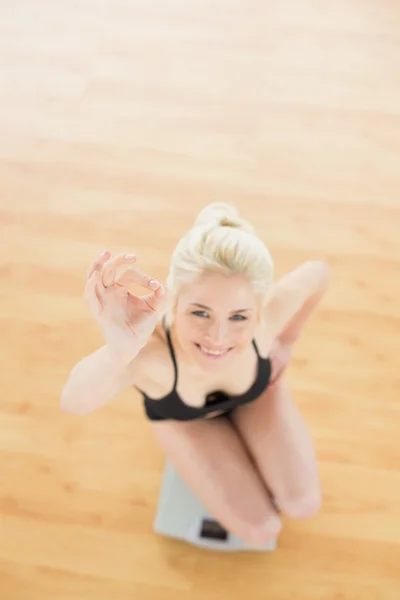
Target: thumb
[{"x": 156, "y": 300}]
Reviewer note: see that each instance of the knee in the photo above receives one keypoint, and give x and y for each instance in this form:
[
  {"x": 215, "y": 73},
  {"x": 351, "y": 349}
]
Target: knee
[{"x": 302, "y": 506}]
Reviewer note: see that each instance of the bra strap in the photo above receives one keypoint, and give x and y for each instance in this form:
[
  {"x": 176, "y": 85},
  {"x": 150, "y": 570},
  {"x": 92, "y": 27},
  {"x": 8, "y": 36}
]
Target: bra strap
[
  {"x": 256, "y": 348},
  {"x": 172, "y": 353}
]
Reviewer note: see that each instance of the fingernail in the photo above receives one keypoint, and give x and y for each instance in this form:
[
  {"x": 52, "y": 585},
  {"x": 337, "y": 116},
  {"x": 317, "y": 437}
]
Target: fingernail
[
  {"x": 130, "y": 256},
  {"x": 153, "y": 283}
]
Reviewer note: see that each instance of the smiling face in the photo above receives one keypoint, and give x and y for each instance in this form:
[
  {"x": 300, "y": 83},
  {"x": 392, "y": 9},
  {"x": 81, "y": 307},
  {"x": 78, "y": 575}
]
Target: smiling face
[{"x": 215, "y": 319}]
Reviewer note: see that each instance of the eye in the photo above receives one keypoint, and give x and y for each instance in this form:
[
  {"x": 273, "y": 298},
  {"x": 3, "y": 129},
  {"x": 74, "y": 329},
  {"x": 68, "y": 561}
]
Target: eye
[
  {"x": 199, "y": 313},
  {"x": 239, "y": 318}
]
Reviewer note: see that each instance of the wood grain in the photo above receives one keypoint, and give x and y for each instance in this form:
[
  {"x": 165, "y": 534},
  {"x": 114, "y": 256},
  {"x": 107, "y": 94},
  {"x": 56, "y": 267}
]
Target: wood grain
[{"x": 119, "y": 121}]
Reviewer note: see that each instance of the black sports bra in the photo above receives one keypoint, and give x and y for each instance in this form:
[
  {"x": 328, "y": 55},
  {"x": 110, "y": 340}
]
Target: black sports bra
[{"x": 172, "y": 407}]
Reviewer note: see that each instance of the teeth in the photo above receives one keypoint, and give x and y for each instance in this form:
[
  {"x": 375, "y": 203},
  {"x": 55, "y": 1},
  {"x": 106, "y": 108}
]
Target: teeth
[{"x": 213, "y": 352}]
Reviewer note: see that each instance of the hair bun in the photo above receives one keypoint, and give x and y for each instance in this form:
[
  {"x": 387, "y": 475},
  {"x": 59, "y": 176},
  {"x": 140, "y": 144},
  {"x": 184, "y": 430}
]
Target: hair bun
[{"x": 221, "y": 214}]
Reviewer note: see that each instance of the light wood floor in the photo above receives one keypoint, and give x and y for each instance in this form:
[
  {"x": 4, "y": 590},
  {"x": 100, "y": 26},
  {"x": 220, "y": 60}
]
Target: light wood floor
[{"x": 119, "y": 120}]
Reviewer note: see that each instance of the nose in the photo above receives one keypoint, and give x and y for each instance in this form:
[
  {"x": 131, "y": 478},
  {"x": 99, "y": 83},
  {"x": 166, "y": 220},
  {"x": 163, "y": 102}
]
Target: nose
[{"x": 217, "y": 333}]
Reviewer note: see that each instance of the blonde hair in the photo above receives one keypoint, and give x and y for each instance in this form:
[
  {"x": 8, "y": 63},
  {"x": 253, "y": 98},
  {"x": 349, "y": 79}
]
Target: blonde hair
[{"x": 220, "y": 241}]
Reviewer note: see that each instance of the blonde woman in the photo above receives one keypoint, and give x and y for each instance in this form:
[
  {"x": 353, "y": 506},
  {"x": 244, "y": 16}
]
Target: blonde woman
[{"x": 208, "y": 352}]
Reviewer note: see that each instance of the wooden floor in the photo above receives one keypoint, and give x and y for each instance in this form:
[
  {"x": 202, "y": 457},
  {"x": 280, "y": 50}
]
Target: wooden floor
[{"x": 119, "y": 120}]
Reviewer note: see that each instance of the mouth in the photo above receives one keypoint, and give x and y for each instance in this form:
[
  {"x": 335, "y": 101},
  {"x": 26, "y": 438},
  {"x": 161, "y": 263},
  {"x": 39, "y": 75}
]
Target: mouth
[{"x": 212, "y": 352}]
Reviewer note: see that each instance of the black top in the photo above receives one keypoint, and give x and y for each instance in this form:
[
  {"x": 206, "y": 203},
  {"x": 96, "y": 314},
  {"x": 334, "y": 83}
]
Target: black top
[{"x": 172, "y": 407}]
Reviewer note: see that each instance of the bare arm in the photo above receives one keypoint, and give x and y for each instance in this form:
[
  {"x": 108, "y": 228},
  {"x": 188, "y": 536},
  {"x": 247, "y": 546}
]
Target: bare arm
[
  {"x": 95, "y": 380},
  {"x": 295, "y": 297},
  {"x": 127, "y": 322}
]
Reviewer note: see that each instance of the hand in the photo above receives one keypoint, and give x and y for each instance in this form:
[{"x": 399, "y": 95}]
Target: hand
[{"x": 126, "y": 320}]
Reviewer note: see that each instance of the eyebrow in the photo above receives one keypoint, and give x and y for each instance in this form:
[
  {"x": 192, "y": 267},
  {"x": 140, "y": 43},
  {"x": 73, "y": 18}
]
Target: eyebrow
[{"x": 208, "y": 308}]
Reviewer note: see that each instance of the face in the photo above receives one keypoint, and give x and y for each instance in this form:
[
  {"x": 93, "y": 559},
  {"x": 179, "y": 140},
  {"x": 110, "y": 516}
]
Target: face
[{"x": 215, "y": 319}]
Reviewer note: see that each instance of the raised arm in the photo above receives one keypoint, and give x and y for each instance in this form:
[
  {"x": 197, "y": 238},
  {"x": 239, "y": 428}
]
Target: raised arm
[
  {"x": 95, "y": 380},
  {"x": 294, "y": 298},
  {"x": 126, "y": 321}
]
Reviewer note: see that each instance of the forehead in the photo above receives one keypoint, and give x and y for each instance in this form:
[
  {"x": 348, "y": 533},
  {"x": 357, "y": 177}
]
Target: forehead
[{"x": 218, "y": 291}]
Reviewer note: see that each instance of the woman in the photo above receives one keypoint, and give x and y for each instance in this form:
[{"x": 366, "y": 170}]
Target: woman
[{"x": 208, "y": 352}]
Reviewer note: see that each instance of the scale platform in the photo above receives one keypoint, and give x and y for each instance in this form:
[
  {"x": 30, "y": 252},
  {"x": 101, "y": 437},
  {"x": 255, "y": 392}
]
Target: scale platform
[{"x": 181, "y": 515}]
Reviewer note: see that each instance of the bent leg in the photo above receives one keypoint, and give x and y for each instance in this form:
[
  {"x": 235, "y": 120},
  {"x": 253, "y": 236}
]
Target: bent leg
[
  {"x": 277, "y": 438},
  {"x": 211, "y": 459}
]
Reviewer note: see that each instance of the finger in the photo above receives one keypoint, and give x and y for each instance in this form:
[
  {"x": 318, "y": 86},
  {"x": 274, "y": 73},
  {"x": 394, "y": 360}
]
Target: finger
[
  {"x": 109, "y": 270},
  {"x": 130, "y": 276},
  {"x": 157, "y": 299},
  {"x": 98, "y": 263}
]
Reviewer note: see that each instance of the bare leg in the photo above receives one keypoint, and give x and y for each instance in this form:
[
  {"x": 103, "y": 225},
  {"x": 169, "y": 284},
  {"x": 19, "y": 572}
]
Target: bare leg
[
  {"x": 277, "y": 438},
  {"x": 211, "y": 459}
]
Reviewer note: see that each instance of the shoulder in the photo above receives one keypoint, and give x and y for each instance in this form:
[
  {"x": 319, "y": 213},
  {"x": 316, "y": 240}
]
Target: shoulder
[{"x": 155, "y": 349}]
